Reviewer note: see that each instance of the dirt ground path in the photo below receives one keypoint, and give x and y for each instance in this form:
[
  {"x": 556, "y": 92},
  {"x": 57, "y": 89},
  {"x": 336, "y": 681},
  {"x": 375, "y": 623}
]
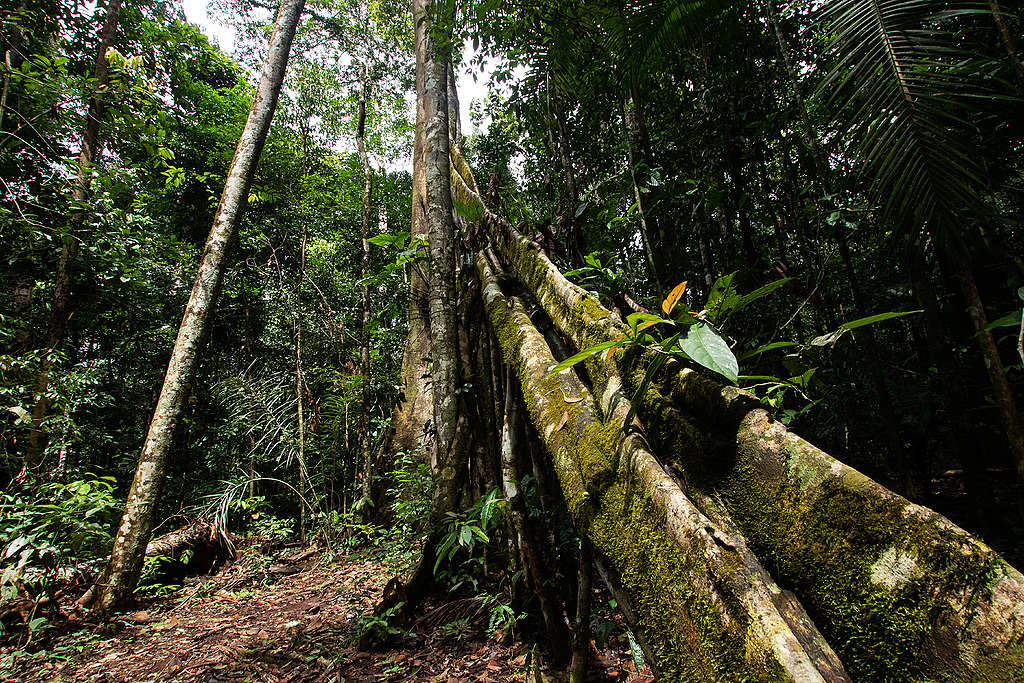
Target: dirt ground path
[{"x": 299, "y": 627}]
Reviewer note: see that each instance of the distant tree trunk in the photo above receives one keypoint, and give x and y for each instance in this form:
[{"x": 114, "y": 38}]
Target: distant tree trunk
[
  {"x": 60, "y": 310},
  {"x": 629, "y": 121},
  {"x": 122, "y": 573},
  {"x": 300, "y": 391},
  {"x": 364, "y": 341},
  {"x": 570, "y": 225},
  {"x": 532, "y": 558},
  {"x": 914, "y": 484},
  {"x": 739, "y": 187},
  {"x": 1001, "y": 392},
  {"x": 581, "y": 624},
  {"x": 1007, "y": 40}
]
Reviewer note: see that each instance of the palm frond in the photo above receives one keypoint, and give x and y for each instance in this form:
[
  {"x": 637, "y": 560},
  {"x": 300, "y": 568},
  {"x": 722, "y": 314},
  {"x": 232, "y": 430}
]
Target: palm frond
[
  {"x": 266, "y": 407},
  {"x": 903, "y": 91}
]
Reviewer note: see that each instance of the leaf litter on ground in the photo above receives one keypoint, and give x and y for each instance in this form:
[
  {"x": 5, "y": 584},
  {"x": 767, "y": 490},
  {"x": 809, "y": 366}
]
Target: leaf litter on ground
[{"x": 265, "y": 626}]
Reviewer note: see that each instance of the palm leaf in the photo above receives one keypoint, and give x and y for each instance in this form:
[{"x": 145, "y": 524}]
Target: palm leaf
[{"x": 905, "y": 92}]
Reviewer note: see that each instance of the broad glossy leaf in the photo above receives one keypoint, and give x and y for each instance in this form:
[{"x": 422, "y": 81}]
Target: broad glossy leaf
[{"x": 705, "y": 347}]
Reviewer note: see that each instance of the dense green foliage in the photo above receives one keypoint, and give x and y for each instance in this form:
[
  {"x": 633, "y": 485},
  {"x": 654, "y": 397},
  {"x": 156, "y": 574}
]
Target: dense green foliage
[
  {"x": 175, "y": 109},
  {"x": 835, "y": 184},
  {"x": 864, "y": 157}
]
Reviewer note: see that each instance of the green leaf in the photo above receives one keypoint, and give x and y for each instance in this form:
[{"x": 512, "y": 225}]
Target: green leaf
[
  {"x": 748, "y": 299},
  {"x": 581, "y": 356},
  {"x": 1008, "y": 320},
  {"x": 23, "y": 415},
  {"x": 719, "y": 290},
  {"x": 705, "y": 347},
  {"x": 638, "y": 654},
  {"x": 833, "y": 337},
  {"x": 767, "y": 347}
]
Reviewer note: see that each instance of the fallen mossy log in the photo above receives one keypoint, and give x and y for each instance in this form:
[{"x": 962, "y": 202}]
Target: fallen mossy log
[
  {"x": 196, "y": 548},
  {"x": 705, "y": 609},
  {"x": 901, "y": 592}
]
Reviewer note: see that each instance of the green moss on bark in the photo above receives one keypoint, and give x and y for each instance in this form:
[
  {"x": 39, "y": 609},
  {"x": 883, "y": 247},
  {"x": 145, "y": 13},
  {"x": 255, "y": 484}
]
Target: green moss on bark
[
  {"x": 879, "y": 581},
  {"x": 680, "y": 610}
]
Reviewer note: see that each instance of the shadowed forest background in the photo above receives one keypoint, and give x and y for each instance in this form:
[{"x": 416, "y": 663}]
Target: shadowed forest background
[{"x": 818, "y": 203}]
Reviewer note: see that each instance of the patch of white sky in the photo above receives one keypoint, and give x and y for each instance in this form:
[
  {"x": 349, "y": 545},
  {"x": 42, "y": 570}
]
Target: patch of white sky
[{"x": 471, "y": 85}]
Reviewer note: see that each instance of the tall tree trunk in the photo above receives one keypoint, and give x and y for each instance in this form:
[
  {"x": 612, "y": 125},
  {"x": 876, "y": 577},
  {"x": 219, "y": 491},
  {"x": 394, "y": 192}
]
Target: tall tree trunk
[
  {"x": 122, "y": 572},
  {"x": 409, "y": 431},
  {"x": 1008, "y": 42},
  {"x": 1001, "y": 392},
  {"x": 60, "y": 310},
  {"x": 364, "y": 341},
  {"x": 300, "y": 385},
  {"x": 444, "y": 353},
  {"x": 629, "y": 120},
  {"x": 432, "y": 204}
]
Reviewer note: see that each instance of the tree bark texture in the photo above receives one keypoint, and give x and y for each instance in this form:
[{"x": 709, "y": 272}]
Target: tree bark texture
[
  {"x": 444, "y": 348},
  {"x": 60, "y": 310},
  {"x": 409, "y": 431},
  {"x": 125, "y": 565},
  {"x": 300, "y": 385},
  {"x": 897, "y": 589}
]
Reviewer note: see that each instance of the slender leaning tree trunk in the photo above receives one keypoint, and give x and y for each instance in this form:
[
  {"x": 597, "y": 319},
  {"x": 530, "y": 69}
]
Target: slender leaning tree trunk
[
  {"x": 629, "y": 120},
  {"x": 60, "y": 310},
  {"x": 1006, "y": 38},
  {"x": 122, "y": 573}
]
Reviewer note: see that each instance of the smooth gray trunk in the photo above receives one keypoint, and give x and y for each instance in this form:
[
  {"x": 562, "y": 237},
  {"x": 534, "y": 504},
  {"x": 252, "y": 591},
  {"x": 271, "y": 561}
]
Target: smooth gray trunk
[{"x": 122, "y": 573}]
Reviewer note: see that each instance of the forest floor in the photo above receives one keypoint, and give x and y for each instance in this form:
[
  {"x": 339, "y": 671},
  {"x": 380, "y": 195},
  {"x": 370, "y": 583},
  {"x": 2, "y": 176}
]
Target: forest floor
[{"x": 292, "y": 618}]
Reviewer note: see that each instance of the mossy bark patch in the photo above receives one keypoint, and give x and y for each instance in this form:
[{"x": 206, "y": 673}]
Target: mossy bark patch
[{"x": 900, "y": 592}]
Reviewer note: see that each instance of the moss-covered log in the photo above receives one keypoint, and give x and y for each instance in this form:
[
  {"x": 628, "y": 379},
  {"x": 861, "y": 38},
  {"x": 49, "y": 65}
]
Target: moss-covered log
[
  {"x": 901, "y": 592},
  {"x": 705, "y": 608}
]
